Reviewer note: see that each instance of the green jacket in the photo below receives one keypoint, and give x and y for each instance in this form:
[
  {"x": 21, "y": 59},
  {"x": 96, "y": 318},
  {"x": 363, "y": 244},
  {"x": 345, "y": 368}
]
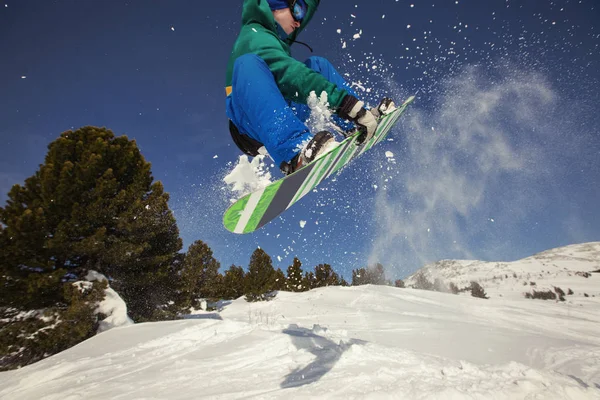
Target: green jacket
[{"x": 259, "y": 36}]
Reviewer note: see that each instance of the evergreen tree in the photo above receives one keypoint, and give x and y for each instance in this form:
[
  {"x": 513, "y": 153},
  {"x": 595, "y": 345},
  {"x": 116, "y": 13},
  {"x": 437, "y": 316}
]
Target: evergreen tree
[
  {"x": 309, "y": 280},
  {"x": 294, "y": 277},
  {"x": 26, "y": 338},
  {"x": 233, "y": 283},
  {"x": 399, "y": 283},
  {"x": 421, "y": 282},
  {"x": 200, "y": 278},
  {"x": 325, "y": 276},
  {"x": 374, "y": 275},
  {"x": 359, "y": 277},
  {"x": 91, "y": 205},
  {"x": 260, "y": 276},
  {"x": 279, "y": 281},
  {"x": 440, "y": 286},
  {"x": 453, "y": 288},
  {"x": 377, "y": 273},
  {"x": 477, "y": 291}
]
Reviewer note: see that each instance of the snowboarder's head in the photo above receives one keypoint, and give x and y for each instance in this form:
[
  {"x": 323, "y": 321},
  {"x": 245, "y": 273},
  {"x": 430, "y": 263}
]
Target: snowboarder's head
[{"x": 288, "y": 13}]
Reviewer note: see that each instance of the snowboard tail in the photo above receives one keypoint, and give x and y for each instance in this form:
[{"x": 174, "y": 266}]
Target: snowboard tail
[{"x": 256, "y": 209}]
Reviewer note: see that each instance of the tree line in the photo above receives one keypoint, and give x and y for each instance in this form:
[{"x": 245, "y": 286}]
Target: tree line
[{"x": 93, "y": 205}]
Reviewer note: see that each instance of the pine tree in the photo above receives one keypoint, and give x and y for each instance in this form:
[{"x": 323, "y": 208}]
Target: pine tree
[
  {"x": 377, "y": 273},
  {"x": 234, "y": 283},
  {"x": 260, "y": 276},
  {"x": 294, "y": 277},
  {"x": 374, "y": 275},
  {"x": 29, "y": 337},
  {"x": 453, "y": 288},
  {"x": 440, "y": 286},
  {"x": 279, "y": 281},
  {"x": 200, "y": 278},
  {"x": 91, "y": 205},
  {"x": 421, "y": 282},
  {"x": 325, "y": 276},
  {"x": 359, "y": 277},
  {"x": 309, "y": 280},
  {"x": 477, "y": 291}
]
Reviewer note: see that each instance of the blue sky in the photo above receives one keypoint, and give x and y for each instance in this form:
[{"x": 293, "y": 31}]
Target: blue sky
[{"x": 496, "y": 160}]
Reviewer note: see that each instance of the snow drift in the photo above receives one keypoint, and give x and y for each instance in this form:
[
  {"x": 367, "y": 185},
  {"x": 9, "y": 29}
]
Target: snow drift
[{"x": 352, "y": 342}]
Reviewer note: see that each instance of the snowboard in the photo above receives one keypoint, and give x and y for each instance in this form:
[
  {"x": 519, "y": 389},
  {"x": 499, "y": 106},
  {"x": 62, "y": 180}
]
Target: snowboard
[{"x": 256, "y": 209}]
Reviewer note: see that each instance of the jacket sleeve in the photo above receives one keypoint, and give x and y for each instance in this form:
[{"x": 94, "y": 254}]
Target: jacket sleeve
[{"x": 294, "y": 78}]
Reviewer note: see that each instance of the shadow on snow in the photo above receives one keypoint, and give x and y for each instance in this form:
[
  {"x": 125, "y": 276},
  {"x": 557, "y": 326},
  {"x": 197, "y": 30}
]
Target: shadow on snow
[
  {"x": 326, "y": 351},
  {"x": 204, "y": 316}
]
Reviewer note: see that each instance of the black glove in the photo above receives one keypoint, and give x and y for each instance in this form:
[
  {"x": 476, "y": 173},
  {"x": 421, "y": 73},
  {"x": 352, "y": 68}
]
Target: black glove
[{"x": 354, "y": 110}]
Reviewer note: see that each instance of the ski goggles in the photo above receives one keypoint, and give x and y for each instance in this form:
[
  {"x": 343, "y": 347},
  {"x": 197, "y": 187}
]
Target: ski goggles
[{"x": 298, "y": 9}]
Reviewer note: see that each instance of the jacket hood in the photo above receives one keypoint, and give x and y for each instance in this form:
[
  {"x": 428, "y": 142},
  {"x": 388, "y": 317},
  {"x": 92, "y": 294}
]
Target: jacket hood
[{"x": 259, "y": 11}]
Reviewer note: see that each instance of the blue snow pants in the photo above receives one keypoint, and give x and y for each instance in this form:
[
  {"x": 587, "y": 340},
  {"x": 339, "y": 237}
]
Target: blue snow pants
[{"x": 259, "y": 110}]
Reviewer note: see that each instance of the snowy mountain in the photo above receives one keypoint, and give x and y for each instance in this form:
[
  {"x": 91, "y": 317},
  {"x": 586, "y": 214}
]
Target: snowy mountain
[
  {"x": 372, "y": 342},
  {"x": 575, "y": 267}
]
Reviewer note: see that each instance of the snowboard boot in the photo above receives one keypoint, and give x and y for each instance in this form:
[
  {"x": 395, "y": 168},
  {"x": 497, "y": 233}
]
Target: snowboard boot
[
  {"x": 317, "y": 146},
  {"x": 386, "y": 106}
]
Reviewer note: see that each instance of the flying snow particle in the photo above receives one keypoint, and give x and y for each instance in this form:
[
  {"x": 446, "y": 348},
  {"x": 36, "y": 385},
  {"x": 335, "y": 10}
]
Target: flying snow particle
[
  {"x": 302, "y": 224},
  {"x": 216, "y": 156},
  {"x": 389, "y": 154},
  {"x": 23, "y": 77},
  {"x": 408, "y": 26},
  {"x": 247, "y": 177},
  {"x": 173, "y": 28},
  {"x": 339, "y": 31}
]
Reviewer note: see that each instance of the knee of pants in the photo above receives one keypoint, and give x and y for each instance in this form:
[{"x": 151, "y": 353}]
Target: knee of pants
[{"x": 317, "y": 63}]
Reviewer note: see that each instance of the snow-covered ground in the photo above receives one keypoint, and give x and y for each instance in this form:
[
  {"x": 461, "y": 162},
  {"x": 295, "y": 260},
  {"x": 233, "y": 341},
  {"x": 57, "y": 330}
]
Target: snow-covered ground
[
  {"x": 358, "y": 342},
  {"x": 565, "y": 268}
]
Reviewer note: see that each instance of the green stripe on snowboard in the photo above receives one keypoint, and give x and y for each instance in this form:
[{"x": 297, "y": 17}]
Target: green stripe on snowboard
[
  {"x": 232, "y": 216},
  {"x": 262, "y": 206},
  {"x": 321, "y": 167},
  {"x": 317, "y": 174},
  {"x": 345, "y": 157}
]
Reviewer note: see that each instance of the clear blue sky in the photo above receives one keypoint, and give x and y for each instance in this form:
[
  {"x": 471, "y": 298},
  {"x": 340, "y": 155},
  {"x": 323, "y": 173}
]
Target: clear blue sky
[{"x": 498, "y": 158}]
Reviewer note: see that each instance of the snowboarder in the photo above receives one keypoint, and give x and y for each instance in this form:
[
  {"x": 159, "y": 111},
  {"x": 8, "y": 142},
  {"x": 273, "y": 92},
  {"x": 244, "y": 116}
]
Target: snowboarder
[{"x": 267, "y": 89}]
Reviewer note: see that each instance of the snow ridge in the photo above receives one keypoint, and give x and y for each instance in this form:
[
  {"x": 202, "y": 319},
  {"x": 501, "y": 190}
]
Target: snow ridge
[{"x": 373, "y": 342}]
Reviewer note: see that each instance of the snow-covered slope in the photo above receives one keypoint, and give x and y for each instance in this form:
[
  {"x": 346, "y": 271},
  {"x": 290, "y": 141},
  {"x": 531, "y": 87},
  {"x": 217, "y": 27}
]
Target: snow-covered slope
[
  {"x": 569, "y": 267},
  {"x": 357, "y": 342}
]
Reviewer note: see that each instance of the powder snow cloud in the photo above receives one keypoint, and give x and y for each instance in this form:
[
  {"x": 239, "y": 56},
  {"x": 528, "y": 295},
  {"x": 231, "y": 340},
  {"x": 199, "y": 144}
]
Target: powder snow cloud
[{"x": 480, "y": 160}]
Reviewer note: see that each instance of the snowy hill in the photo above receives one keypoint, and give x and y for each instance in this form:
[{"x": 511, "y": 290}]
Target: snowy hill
[
  {"x": 356, "y": 342},
  {"x": 571, "y": 267}
]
